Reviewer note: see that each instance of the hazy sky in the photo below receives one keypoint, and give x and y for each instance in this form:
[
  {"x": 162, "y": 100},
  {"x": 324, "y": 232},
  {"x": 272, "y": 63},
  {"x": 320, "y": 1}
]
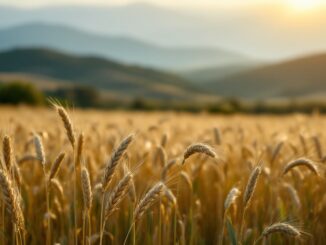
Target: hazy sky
[
  {"x": 253, "y": 27},
  {"x": 46, "y": 2},
  {"x": 203, "y": 3}
]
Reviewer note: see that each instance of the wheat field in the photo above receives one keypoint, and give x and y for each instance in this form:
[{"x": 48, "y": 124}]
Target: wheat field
[{"x": 90, "y": 177}]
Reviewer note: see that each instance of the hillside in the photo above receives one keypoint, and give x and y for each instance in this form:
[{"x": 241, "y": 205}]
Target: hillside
[
  {"x": 304, "y": 76},
  {"x": 218, "y": 72},
  {"x": 105, "y": 75},
  {"x": 41, "y": 82},
  {"x": 121, "y": 49}
]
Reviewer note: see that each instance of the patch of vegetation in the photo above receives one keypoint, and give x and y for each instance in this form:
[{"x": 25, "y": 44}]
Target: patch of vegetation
[
  {"x": 80, "y": 96},
  {"x": 18, "y": 93},
  {"x": 88, "y": 97}
]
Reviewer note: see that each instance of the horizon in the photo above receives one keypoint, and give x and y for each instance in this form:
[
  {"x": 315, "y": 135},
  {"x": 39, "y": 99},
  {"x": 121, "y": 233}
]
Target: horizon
[{"x": 247, "y": 49}]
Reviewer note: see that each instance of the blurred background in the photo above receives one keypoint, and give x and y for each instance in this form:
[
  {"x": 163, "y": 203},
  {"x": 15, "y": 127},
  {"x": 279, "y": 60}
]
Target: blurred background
[{"x": 213, "y": 55}]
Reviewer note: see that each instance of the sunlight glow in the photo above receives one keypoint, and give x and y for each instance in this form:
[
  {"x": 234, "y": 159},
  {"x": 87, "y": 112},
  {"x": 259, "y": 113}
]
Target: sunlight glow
[{"x": 304, "y": 5}]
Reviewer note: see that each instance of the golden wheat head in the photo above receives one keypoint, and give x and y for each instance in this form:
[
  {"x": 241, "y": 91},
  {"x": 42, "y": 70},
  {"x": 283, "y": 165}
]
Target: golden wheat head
[
  {"x": 198, "y": 148},
  {"x": 114, "y": 160}
]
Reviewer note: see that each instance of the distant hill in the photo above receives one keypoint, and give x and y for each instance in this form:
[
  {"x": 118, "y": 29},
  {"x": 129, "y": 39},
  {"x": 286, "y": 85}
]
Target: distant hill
[
  {"x": 41, "y": 82},
  {"x": 105, "y": 75},
  {"x": 217, "y": 72},
  {"x": 299, "y": 77},
  {"x": 121, "y": 49}
]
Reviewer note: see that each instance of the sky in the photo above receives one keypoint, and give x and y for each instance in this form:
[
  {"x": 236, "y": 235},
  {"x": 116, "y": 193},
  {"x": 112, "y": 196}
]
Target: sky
[
  {"x": 231, "y": 3},
  {"x": 293, "y": 27},
  {"x": 169, "y": 2}
]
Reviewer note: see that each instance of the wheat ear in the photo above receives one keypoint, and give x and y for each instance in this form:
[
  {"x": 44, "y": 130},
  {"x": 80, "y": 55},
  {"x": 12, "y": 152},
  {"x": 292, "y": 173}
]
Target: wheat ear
[
  {"x": 118, "y": 194},
  {"x": 86, "y": 189},
  {"x": 231, "y": 197},
  {"x": 301, "y": 162},
  {"x": 249, "y": 191},
  {"x": 11, "y": 200},
  {"x": 39, "y": 149},
  {"x": 283, "y": 228},
  {"x": 198, "y": 148},
  {"x": 79, "y": 151},
  {"x": 111, "y": 166},
  {"x": 251, "y": 185},
  {"x": 7, "y": 152},
  {"x": 56, "y": 165},
  {"x": 148, "y": 200},
  {"x": 67, "y": 124}
]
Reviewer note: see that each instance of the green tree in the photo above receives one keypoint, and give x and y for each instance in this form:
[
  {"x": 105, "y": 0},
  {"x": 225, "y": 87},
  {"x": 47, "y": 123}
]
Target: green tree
[
  {"x": 82, "y": 96},
  {"x": 19, "y": 92}
]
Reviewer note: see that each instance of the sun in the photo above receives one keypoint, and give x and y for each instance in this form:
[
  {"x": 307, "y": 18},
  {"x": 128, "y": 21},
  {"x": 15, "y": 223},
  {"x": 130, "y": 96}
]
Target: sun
[{"x": 306, "y": 4}]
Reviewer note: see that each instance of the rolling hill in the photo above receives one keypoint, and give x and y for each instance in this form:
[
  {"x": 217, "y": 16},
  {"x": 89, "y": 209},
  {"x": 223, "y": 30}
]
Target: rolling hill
[
  {"x": 299, "y": 77},
  {"x": 121, "y": 49},
  {"x": 216, "y": 73},
  {"x": 105, "y": 75}
]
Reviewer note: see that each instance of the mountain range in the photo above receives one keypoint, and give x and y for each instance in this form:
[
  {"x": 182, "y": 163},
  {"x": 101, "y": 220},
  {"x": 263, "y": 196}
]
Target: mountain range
[
  {"x": 297, "y": 78},
  {"x": 122, "y": 49}
]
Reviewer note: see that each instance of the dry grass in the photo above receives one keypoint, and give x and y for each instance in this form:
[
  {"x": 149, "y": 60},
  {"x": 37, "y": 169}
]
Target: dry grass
[{"x": 246, "y": 174}]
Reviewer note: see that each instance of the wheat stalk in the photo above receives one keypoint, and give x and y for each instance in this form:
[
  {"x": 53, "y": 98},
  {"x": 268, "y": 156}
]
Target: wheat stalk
[
  {"x": 283, "y": 228},
  {"x": 318, "y": 147},
  {"x": 87, "y": 197},
  {"x": 118, "y": 194},
  {"x": 160, "y": 156},
  {"x": 112, "y": 164},
  {"x": 11, "y": 200},
  {"x": 217, "y": 136},
  {"x": 231, "y": 197},
  {"x": 41, "y": 156},
  {"x": 198, "y": 148},
  {"x": 301, "y": 162},
  {"x": 277, "y": 151},
  {"x": 186, "y": 179},
  {"x": 148, "y": 200},
  {"x": 86, "y": 189},
  {"x": 293, "y": 194},
  {"x": 166, "y": 169},
  {"x": 170, "y": 196},
  {"x": 7, "y": 152},
  {"x": 164, "y": 140},
  {"x": 56, "y": 165},
  {"x": 251, "y": 185},
  {"x": 229, "y": 200},
  {"x": 67, "y": 124},
  {"x": 79, "y": 150},
  {"x": 39, "y": 149},
  {"x": 249, "y": 191},
  {"x": 55, "y": 183},
  {"x": 16, "y": 174},
  {"x": 109, "y": 172},
  {"x": 303, "y": 144}
]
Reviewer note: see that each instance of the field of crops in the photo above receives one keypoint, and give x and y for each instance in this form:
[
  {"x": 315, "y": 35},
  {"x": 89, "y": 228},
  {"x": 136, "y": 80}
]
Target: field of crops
[{"x": 91, "y": 177}]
